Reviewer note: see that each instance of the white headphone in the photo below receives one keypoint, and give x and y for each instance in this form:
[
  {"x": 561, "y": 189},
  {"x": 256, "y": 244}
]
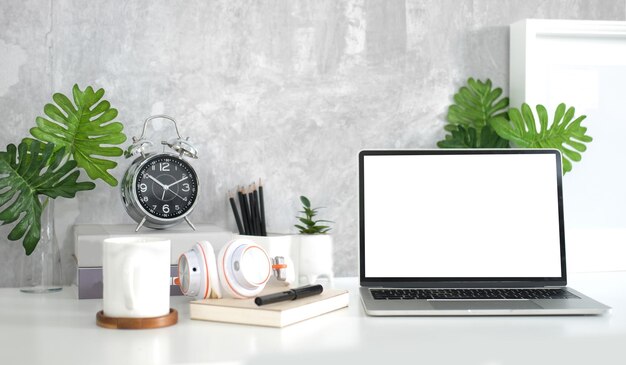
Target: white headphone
[{"x": 241, "y": 270}]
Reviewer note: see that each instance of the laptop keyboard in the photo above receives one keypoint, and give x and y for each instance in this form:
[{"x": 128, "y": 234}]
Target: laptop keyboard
[{"x": 461, "y": 294}]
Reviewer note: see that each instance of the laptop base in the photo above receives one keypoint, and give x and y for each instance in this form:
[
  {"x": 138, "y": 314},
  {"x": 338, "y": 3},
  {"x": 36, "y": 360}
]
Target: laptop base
[{"x": 532, "y": 307}]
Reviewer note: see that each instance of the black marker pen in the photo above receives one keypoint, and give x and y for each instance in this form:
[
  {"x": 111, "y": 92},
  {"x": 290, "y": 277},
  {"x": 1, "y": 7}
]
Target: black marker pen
[{"x": 293, "y": 294}]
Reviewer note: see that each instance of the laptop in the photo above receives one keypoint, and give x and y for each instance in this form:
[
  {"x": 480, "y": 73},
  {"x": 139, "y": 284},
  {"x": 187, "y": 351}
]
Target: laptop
[{"x": 464, "y": 232}]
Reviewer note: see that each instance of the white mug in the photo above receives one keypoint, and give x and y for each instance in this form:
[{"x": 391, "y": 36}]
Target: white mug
[{"x": 136, "y": 277}]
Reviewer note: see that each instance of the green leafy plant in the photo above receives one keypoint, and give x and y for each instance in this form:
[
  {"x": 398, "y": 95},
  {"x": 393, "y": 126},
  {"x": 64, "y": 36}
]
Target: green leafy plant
[
  {"x": 470, "y": 137},
  {"x": 565, "y": 133},
  {"x": 48, "y": 165},
  {"x": 82, "y": 128},
  {"x": 480, "y": 118},
  {"x": 28, "y": 172},
  {"x": 475, "y": 105},
  {"x": 310, "y": 224}
]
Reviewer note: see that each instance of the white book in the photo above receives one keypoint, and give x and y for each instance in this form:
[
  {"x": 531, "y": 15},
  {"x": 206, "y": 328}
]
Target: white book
[{"x": 281, "y": 314}]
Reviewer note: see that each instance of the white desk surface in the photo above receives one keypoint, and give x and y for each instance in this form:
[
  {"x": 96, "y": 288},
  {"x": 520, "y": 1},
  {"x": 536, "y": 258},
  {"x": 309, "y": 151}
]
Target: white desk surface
[{"x": 57, "y": 329}]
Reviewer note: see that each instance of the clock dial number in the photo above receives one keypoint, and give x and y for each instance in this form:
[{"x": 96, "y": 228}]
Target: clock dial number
[
  {"x": 164, "y": 166},
  {"x": 166, "y": 208},
  {"x": 143, "y": 187},
  {"x": 185, "y": 187}
]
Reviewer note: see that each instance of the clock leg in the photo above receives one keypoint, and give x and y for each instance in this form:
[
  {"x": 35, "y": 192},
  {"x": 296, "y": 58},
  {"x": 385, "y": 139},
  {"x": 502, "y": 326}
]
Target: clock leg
[
  {"x": 190, "y": 224},
  {"x": 140, "y": 224}
]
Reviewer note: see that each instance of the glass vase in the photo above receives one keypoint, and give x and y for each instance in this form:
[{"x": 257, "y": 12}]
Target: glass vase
[{"x": 41, "y": 270}]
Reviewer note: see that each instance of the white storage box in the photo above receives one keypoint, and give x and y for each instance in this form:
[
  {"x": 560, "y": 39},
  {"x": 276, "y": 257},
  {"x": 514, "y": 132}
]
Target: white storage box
[{"x": 88, "y": 249}]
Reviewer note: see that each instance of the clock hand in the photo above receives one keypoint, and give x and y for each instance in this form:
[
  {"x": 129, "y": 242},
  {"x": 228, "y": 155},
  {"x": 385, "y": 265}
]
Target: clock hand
[
  {"x": 176, "y": 182},
  {"x": 172, "y": 191},
  {"x": 157, "y": 181},
  {"x": 166, "y": 187}
]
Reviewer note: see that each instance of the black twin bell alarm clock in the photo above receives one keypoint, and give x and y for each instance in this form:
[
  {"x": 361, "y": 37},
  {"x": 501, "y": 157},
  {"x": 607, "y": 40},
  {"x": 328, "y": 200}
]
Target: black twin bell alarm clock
[{"x": 160, "y": 189}]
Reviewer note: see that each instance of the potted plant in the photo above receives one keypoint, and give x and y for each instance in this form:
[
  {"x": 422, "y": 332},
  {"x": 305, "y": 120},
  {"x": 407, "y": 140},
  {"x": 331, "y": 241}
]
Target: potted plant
[
  {"x": 315, "y": 245},
  {"x": 480, "y": 117},
  {"x": 75, "y": 134}
]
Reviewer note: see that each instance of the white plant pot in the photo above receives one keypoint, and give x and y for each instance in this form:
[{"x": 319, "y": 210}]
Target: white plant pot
[{"x": 316, "y": 258}]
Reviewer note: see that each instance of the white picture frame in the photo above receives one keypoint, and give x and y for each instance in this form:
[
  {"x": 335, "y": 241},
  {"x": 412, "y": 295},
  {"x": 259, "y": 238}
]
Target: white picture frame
[{"x": 583, "y": 64}]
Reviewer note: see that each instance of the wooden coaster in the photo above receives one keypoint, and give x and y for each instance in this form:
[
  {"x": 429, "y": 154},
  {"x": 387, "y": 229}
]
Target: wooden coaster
[{"x": 137, "y": 323}]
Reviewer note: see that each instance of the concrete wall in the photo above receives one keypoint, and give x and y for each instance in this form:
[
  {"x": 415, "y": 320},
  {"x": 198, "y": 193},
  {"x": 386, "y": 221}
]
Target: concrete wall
[{"x": 288, "y": 91}]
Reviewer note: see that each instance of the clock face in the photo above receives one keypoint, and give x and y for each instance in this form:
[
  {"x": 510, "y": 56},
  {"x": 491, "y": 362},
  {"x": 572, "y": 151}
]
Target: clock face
[{"x": 166, "y": 186}]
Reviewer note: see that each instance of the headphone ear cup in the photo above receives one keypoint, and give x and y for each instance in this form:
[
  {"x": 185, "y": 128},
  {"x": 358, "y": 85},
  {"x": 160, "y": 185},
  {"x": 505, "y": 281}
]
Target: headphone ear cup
[
  {"x": 210, "y": 283},
  {"x": 216, "y": 287},
  {"x": 224, "y": 281},
  {"x": 244, "y": 268}
]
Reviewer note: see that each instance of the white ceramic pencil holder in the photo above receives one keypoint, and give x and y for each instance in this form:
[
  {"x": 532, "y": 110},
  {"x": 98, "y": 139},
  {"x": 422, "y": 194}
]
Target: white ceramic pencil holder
[{"x": 316, "y": 258}]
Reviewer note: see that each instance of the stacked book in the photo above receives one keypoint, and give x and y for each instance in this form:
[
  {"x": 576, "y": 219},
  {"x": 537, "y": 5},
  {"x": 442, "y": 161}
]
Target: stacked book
[{"x": 245, "y": 311}]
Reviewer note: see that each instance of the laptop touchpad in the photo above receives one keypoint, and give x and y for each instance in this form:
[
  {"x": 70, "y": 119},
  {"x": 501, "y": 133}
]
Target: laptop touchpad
[{"x": 483, "y": 304}]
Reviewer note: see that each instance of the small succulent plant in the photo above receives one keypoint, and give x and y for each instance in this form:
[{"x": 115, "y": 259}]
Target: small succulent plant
[{"x": 309, "y": 224}]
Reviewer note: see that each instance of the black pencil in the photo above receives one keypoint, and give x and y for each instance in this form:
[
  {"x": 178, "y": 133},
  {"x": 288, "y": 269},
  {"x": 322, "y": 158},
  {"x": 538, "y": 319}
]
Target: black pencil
[
  {"x": 257, "y": 216},
  {"x": 248, "y": 203},
  {"x": 262, "y": 210},
  {"x": 231, "y": 198},
  {"x": 248, "y": 200},
  {"x": 244, "y": 211},
  {"x": 253, "y": 211}
]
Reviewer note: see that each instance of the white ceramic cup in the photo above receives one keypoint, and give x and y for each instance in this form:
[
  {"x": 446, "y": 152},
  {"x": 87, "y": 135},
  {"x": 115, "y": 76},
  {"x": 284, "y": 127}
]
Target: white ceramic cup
[{"x": 136, "y": 277}]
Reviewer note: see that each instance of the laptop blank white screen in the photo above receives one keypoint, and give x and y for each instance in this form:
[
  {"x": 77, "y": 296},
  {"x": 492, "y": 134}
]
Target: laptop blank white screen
[{"x": 461, "y": 216}]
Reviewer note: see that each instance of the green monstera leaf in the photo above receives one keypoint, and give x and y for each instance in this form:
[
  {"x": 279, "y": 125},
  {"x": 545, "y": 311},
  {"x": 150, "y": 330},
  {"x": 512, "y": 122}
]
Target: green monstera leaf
[
  {"x": 26, "y": 172},
  {"x": 565, "y": 133},
  {"x": 475, "y": 105},
  {"x": 468, "y": 137},
  {"x": 82, "y": 128}
]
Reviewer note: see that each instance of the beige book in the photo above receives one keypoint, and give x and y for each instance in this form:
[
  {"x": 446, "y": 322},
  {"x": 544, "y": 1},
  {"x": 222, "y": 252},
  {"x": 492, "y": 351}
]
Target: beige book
[{"x": 279, "y": 314}]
